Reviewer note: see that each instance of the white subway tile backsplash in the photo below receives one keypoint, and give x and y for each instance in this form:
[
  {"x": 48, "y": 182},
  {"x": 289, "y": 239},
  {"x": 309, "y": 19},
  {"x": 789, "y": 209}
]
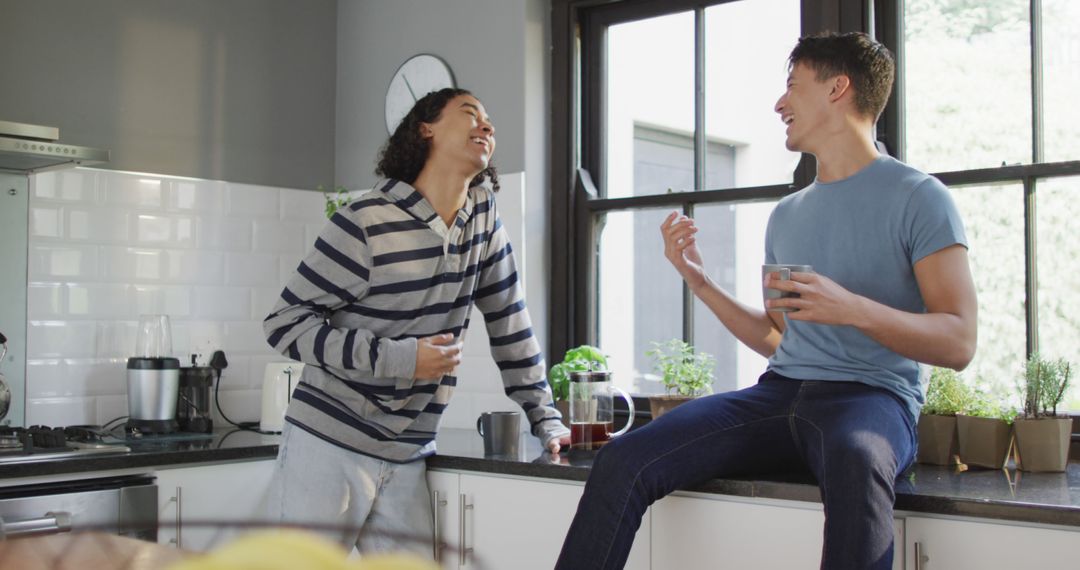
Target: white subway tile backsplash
[
  {"x": 101, "y": 376},
  {"x": 239, "y": 405},
  {"x": 476, "y": 337},
  {"x": 114, "y": 339},
  {"x": 248, "y": 201},
  {"x": 106, "y": 247},
  {"x": 45, "y": 300},
  {"x": 195, "y": 336},
  {"x": 251, "y": 269},
  {"x": 60, "y": 339},
  {"x": 263, "y": 300},
  {"x": 235, "y": 376},
  {"x": 272, "y": 236},
  {"x": 312, "y": 231},
  {"x": 46, "y": 221},
  {"x": 303, "y": 206},
  {"x": 50, "y": 378},
  {"x": 195, "y": 266},
  {"x": 287, "y": 267},
  {"x": 62, "y": 411},
  {"x": 78, "y": 377},
  {"x": 174, "y": 301},
  {"x": 100, "y": 300},
  {"x": 229, "y": 234},
  {"x": 155, "y": 230},
  {"x": 125, "y": 189},
  {"x": 197, "y": 196},
  {"x": 78, "y": 185},
  {"x": 246, "y": 336},
  {"x": 101, "y": 225},
  {"x": 128, "y": 264},
  {"x": 232, "y": 303},
  {"x": 62, "y": 261}
]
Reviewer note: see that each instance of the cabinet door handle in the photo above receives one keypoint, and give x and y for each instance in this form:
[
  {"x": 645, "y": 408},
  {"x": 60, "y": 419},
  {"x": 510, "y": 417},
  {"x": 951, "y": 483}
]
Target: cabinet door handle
[
  {"x": 464, "y": 552},
  {"x": 920, "y": 557},
  {"x": 179, "y": 519},
  {"x": 436, "y": 502}
]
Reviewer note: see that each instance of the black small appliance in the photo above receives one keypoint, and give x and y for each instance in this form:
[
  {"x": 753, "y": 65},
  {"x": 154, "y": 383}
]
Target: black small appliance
[{"x": 193, "y": 405}]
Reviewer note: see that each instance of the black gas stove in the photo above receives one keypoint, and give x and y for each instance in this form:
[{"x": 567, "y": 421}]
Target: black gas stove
[{"x": 42, "y": 443}]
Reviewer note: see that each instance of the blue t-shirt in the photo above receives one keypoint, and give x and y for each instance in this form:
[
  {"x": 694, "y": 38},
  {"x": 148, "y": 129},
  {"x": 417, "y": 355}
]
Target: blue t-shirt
[{"x": 865, "y": 232}]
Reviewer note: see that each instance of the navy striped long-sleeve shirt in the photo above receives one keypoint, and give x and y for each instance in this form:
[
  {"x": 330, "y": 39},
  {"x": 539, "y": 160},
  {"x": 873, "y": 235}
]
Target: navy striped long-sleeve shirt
[{"x": 385, "y": 271}]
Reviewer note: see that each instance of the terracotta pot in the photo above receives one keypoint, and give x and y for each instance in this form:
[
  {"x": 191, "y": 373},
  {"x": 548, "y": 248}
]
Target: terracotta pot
[
  {"x": 938, "y": 442},
  {"x": 984, "y": 442},
  {"x": 1043, "y": 444},
  {"x": 660, "y": 405}
]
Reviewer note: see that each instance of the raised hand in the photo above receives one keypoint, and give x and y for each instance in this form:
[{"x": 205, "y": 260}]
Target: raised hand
[{"x": 680, "y": 248}]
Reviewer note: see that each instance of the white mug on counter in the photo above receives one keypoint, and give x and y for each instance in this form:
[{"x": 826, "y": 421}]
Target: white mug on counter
[{"x": 279, "y": 380}]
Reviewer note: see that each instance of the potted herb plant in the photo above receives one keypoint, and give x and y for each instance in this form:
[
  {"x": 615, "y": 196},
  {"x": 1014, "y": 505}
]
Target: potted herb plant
[
  {"x": 1042, "y": 437},
  {"x": 580, "y": 359},
  {"x": 984, "y": 432},
  {"x": 684, "y": 372},
  {"x": 946, "y": 396}
]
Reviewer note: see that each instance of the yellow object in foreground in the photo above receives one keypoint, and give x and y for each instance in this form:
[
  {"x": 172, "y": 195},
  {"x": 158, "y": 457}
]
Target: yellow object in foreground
[{"x": 292, "y": 549}]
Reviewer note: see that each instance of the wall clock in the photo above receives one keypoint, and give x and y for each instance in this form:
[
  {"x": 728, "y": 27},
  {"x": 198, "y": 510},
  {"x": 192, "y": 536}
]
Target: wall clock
[{"x": 418, "y": 76}]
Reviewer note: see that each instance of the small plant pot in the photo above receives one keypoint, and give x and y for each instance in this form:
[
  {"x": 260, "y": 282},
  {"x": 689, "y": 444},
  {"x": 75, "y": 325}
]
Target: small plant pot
[
  {"x": 1043, "y": 444},
  {"x": 938, "y": 442},
  {"x": 660, "y": 405},
  {"x": 564, "y": 408},
  {"x": 984, "y": 442}
]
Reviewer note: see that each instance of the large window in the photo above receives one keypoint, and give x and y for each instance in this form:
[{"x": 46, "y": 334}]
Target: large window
[{"x": 669, "y": 107}]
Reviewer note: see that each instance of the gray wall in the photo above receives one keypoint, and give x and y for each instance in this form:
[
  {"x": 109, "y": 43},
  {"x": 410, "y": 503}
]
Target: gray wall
[
  {"x": 499, "y": 50},
  {"x": 483, "y": 41},
  {"x": 237, "y": 90}
]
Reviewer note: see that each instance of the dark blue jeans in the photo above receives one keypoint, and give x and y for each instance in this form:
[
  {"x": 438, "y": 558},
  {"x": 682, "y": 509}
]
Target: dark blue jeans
[{"x": 854, "y": 439}]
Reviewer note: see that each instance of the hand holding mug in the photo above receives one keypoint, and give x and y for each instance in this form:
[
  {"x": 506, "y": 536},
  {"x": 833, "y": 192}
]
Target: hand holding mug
[{"x": 808, "y": 296}]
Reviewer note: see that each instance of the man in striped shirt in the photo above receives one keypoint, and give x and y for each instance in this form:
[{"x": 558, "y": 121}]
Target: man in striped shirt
[{"x": 378, "y": 309}]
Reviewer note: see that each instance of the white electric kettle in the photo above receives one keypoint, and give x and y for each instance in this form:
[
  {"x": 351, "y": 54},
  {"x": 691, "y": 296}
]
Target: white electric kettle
[{"x": 279, "y": 380}]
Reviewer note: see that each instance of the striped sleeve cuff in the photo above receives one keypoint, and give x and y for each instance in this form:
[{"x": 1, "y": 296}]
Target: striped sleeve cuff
[{"x": 397, "y": 358}]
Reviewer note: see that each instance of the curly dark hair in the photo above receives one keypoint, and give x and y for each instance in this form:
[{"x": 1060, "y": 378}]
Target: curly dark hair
[
  {"x": 868, "y": 64},
  {"x": 405, "y": 152}
]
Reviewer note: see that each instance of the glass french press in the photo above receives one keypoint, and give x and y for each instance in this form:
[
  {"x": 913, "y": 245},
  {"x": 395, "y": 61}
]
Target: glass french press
[{"x": 592, "y": 410}]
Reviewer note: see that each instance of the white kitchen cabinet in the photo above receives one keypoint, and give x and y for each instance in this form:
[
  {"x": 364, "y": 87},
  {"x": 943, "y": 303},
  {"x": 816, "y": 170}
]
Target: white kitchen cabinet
[
  {"x": 511, "y": 522},
  {"x": 701, "y": 531},
  {"x": 194, "y": 501},
  {"x": 949, "y": 544}
]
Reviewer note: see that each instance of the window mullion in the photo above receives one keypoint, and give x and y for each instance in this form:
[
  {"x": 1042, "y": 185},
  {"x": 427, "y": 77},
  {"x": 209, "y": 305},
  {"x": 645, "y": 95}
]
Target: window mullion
[
  {"x": 1037, "y": 134},
  {"x": 700, "y": 147},
  {"x": 1031, "y": 285}
]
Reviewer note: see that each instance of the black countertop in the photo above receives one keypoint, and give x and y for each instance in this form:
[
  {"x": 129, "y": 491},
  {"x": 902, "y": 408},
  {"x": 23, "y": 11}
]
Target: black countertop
[
  {"x": 1048, "y": 498},
  {"x": 151, "y": 453}
]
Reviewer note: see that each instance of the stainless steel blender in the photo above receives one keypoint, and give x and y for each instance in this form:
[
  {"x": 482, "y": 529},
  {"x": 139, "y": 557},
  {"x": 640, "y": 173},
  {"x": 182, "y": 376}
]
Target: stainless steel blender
[{"x": 153, "y": 379}]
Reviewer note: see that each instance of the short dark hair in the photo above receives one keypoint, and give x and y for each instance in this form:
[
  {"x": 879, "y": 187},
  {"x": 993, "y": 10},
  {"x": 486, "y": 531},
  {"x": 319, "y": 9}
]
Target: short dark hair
[
  {"x": 405, "y": 152},
  {"x": 870, "y": 65}
]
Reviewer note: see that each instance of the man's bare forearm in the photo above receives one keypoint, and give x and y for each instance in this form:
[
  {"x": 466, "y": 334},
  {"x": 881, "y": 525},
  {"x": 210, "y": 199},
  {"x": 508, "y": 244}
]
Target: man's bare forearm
[
  {"x": 752, "y": 327},
  {"x": 937, "y": 339}
]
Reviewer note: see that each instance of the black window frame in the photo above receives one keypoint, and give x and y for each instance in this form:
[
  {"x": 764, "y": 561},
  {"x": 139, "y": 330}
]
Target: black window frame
[{"x": 578, "y": 68}]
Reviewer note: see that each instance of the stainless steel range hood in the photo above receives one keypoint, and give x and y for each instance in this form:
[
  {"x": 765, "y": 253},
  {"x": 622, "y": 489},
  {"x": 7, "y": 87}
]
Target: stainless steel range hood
[{"x": 32, "y": 148}]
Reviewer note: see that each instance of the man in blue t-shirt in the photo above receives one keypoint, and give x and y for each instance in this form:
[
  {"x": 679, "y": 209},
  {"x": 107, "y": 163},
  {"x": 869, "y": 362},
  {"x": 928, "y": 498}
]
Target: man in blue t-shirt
[{"x": 890, "y": 288}]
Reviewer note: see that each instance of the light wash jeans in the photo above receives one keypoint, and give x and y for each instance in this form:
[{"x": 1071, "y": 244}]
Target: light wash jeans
[{"x": 350, "y": 498}]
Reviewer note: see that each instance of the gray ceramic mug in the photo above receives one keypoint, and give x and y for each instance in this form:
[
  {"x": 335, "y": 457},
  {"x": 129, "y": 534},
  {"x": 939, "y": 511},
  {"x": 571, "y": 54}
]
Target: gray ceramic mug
[
  {"x": 501, "y": 432},
  {"x": 785, "y": 270}
]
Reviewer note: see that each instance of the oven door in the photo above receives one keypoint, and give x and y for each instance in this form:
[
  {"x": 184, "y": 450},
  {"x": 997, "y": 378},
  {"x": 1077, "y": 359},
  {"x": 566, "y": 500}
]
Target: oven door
[{"x": 116, "y": 505}]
